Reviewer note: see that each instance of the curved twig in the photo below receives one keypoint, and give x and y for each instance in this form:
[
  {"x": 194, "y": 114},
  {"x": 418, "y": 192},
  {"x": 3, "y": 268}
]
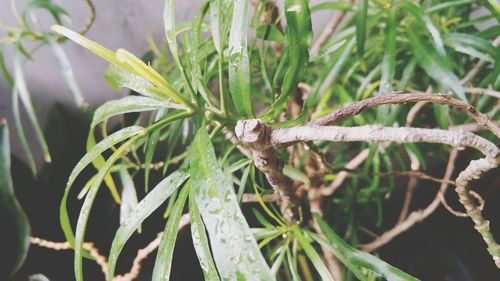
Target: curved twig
[{"x": 399, "y": 98}]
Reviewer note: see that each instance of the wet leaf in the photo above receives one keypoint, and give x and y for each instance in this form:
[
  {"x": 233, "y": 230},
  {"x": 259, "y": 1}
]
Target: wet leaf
[{"x": 235, "y": 250}]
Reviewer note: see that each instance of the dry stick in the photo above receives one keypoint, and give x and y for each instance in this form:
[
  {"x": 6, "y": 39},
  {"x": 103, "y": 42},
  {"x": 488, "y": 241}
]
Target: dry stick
[
  {"x": 340, "y": 178},
  {"x": 102, "y": 260},
  {"x": 254, "y": 134},
  {"x": 415, "y": 216},
  {"x": 457, "y": 213},
  {"x": 58, "y": 246},
  {"x": 481, "y": 91},
  {"x": 480, "y": 64},
  {"x": 399, "y": 98}
]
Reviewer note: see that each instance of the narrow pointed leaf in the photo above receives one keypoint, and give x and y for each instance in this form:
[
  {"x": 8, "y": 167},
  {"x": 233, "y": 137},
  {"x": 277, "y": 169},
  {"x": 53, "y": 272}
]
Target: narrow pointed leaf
[
  {"x": 66, "y": 69},
  {"x": 15, "y": 225},
  {"x": 299, "y": 35},
  {"x": 129, "y": 195},
  {"x": 235, "y": 250},
  {"x": 25, "y": 97},
  {"x": 435, "y": 67},
  {"x": 312, "y": 255},
  {"x": 239, "y": 67},
  {"x": 200, "y": 242},
  {"x": 144, "y": 209},
  {"x": 425, "y": 22},
  {"x": 94, "y": 152},
  {"x": 353, "y": 257},
  {"x": 361, "y": 23},
  {"x": 389, "y": 60},
  {"x": 81, "y": 225},
  {"x": 163, "y": 262},
  {"x": 20, "y": 131},
  {"x": 128, "y": 104}
]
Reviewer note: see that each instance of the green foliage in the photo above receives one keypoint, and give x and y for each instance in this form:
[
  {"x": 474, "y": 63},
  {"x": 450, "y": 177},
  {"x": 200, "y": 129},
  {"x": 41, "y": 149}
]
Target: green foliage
[
  {"x": 15, "y": 225},
  {"x": 191, "y": 98}
]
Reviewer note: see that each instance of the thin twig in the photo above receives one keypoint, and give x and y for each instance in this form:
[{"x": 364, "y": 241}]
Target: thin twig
[
  {"x": 401, "y": 98},
  {"x": 102, "y": 261},
  {"x": 481, "y": 91},
  {"x": 415, "y": 216},
  {"x": 340, "y": 178},
  {"x": 457, "y": 213}
]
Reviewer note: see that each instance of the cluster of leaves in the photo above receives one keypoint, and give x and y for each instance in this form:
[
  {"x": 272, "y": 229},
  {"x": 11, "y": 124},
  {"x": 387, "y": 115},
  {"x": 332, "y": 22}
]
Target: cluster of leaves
[
  {"x": 30, "y": 32},
  {"x": 209, "y": 82}
]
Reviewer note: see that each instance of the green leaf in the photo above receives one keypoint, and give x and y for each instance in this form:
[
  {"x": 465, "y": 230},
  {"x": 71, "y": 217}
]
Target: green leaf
[
  {"x": 118, "y": 77},
  {"x": 66, "y": 69},
  {"x": 98, "y": 163},
  {"x": 144, "y": 209},
  {"x": 163, "y": 262},
  {"x": 20, "y": 131},
  {"x": 312, "y": 255},
  {"x": 352, "y": 257},
  {"x": 127, "y": 61},
  {"x": 129, "y": 195},
  {"x": 446, "y": 5},
  {"x": 219, "y": 10},
  {"x": 24, "y": 95},
  {"x": 5, "y": 71},
  {"x": 270, "y": 33},
  {"x": 148, "y": 157},
  {"x": 170, "y": 31},
  {"x": 89, "y": 201},
  {"x": 342, "y": 6},
  {"x": 90, "y": 156},
  {"x": 295, "y": 174},
  {"x": 472, "y": 45},
  {"x": 239, "y": 67},
  {"x": 55, "y": 10},
  {"x": 323, "y": 52},
  {"x": 200, "y": 242},
  {"x": 88, "y": 44},
  {"x": 389, "y": 60},
  {"x": 299, "y": 35},
  {"x": 435, "y": 66},
  {"x": 361, "y": 23},
  {"x": 425, "y": 22},
  {"x": 15, "y": 225},
  {"x": 128, "y": 104},
  {"x": 235, "y": 250}
]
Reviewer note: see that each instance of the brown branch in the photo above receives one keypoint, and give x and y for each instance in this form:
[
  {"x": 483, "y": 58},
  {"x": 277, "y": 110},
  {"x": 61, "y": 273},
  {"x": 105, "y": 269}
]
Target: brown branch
[
  {"x": 102, "y": 261},
  {"x": 457, "y": 213},
  {"x": 255, "y": 134},
  {"x": 401, "y": 98},
  {"x": 340, "y": 178},
  {"x": 376, "y": 133},
  {"x": 415, "y": 216},
  {"x": 475, "y": 169},
  {"x": 481, "y": 91}
]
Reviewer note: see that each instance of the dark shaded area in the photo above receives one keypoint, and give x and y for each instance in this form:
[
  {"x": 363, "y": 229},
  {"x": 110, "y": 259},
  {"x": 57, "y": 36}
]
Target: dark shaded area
[{"x": 445, "y": 247}]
